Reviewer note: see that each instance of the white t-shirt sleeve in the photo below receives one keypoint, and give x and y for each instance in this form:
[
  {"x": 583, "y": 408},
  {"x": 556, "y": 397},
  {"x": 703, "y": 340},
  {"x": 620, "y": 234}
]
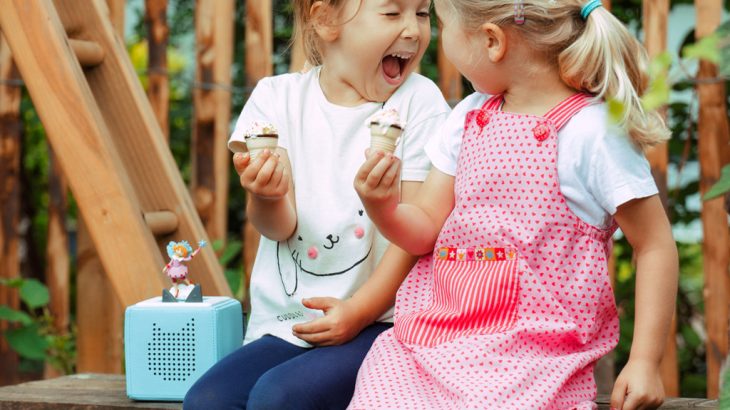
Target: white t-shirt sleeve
[
  {"x": 600, "y": 168},
  {"x": 443, "y": 148},
  {"x": 258, "y": 107}
]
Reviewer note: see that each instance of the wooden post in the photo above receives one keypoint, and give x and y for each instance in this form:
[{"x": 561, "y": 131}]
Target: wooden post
[
  {"x": 655, "y": 14},
  {"x": 212, "y": 105},
  {"x": 713, "y": 141},
  {"x": 57, "y": 257},
  {"x": 158, "y": 88},
  {"x": 99, "y": 313},
  {"x": 10, "y": 143},
  {"x": 116, "y": 15},
  {"x": 259, "y": 46}
]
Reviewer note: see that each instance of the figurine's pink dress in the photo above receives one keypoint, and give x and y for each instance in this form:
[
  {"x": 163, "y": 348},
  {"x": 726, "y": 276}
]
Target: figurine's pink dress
[
  {"x": 514, "y": 306},
  {"x": 177, "y": 269}
]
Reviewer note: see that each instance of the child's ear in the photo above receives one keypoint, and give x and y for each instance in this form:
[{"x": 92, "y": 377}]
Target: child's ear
[
  {"x": 323, "y": 18},
  {"x": 495, "y": 41}
]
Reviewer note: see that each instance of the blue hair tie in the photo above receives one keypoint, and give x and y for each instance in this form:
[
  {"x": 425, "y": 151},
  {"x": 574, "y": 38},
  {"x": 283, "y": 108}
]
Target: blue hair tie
[{"x": 587, "y": 8}]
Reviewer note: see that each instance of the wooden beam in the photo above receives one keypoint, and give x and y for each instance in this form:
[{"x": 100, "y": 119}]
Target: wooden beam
[
  {"x": 89, "y": 53},
  {"x": 258, "y": 60},
  {"x": 10, "y": 147},
  {"x": 99, "y": 312},
  {"x": 116, "y": 16},
  {"x": 212, "y": 107},
  {"x": 158, "y": 87},
  {"x": 655, "y": 16},
  {"x": 713, "y": 136},
  {"x": 58, "y": 262}
]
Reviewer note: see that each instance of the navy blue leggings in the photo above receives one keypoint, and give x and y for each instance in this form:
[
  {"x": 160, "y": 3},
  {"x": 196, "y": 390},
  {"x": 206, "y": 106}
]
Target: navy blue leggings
[{"x": 271, "y": 373}]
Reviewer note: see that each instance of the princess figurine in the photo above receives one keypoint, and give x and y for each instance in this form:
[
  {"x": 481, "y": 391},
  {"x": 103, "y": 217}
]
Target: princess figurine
[{"x": 176, "y": 270}]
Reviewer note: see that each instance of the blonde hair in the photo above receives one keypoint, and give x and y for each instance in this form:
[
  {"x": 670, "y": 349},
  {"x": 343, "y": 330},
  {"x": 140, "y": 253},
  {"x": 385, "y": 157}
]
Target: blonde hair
[
  {"x": 304, "y": 26},
  {"x": 597, "y": 55}
]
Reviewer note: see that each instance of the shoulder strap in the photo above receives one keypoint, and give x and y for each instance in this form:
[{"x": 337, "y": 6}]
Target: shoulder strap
[
  {"x": 493, "y": 102},
  {"x": 561, "y": 113}
]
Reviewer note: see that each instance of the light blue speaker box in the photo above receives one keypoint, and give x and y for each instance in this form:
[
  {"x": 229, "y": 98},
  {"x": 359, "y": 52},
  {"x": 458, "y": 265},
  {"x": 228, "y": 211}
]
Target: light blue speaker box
[{"x": 169, "y": 345}]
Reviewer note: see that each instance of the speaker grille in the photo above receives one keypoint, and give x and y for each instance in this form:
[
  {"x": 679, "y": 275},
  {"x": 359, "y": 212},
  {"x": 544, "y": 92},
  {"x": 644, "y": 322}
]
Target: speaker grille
[{"x": 171, "y": 355}]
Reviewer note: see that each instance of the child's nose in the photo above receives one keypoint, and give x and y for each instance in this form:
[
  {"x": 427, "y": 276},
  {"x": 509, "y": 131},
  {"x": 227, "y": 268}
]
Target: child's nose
[{"x": 410, "y": 29}]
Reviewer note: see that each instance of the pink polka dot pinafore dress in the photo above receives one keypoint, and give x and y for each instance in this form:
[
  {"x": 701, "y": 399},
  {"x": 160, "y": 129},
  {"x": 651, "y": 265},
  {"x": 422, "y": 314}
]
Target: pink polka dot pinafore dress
[{"x": 514, "y": 306}]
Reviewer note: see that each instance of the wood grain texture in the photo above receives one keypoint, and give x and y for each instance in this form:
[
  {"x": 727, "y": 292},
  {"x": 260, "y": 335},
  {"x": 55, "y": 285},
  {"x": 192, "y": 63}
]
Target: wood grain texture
[
  {"x": 713, "y": 138},
  {"x": 100, "y": 391},
  {"x": 212, "y": 106},
  {"x": 158, "y": 85},
  {"x": 10, "y": 147}
]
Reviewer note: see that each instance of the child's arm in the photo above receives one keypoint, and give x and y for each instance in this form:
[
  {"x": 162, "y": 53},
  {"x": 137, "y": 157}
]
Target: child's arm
[
  {"x": 414, "y": 227},
  {"x": 647, "y": 229},
  {"x": 346, "y": 318},
  {"x": 270, "y": 205}
]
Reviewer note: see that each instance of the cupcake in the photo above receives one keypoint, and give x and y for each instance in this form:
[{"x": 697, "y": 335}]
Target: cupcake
[
  {"x": 385, "y": 130},
  {"x": 258, "y": 137}
]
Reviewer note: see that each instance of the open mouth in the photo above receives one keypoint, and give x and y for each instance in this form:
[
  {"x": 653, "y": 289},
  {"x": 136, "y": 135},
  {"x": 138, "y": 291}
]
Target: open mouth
[{"x": 394, "y": 66}]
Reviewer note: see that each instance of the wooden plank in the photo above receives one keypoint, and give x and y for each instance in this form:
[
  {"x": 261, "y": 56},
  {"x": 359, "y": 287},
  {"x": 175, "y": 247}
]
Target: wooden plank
[
  {"x": 212, "y": 107},
  {"x": 99, "y": 313},
  {"x": 79, "y": 392},
  {"x": 116, "y": 16},
  {"x": 258, "y": 60},
  {"x": 10, "y": 147},
  {"x": 76, "y": 132},
  {"x": 139, "y": 142},
  {"x": 58, "y": 267},
  {"x": 158, "y": 87},
  {"x": 655, "y": 16},
  {"x": 713, "y": 133},
  {"x": 100, "y": 391}
]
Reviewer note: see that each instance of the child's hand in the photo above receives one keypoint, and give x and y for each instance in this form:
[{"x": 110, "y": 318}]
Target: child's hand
[
  {"x": 339, "y": 325},
  {"x": 638, "y": 386},
  {"x": 377, "y": 182},
  {"x": 265, "y": 177}
]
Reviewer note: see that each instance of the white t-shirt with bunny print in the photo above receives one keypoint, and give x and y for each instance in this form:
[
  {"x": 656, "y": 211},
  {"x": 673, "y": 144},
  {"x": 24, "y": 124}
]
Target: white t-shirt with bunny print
[{"x": 335, "y": 246}]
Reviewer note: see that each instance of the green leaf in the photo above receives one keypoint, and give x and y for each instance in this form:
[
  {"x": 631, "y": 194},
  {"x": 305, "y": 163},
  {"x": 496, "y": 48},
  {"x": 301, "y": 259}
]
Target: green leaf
[
  {"x": 12, "y": 282},
  {"x": 27, "y": 342},
  {"x": 234, "y": 277},
  {"x": 34, "y": 293},
  {"x": 616, "y": 111},
  {"x": 658, "y": 93},
  {"x": 708, "y": 48},
  {"x": 232, "y": 250},
  {"x": 721, "y": 187},
  {"x": 12, "y": 315}
]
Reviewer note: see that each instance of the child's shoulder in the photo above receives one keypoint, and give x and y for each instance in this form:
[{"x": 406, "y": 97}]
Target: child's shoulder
[{"x": 284, "y": 83}]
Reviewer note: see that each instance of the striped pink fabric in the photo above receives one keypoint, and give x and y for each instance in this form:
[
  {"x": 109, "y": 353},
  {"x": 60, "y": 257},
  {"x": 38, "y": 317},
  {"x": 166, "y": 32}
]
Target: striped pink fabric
[{"x": 475, "y": 332}]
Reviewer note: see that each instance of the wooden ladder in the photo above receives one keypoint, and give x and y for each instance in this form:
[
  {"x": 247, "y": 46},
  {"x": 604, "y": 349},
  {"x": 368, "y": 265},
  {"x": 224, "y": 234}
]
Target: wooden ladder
[{"x": 109, "y": 145}]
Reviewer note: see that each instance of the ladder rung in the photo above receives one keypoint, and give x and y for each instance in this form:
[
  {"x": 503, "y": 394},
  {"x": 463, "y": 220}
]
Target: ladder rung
[
  {"x": 161, "y": 222},
  {"x": 89, "y": 53}
]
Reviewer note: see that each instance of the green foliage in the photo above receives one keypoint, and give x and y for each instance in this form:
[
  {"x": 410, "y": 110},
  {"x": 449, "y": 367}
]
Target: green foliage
[
  {"x": 721, "y": 187},
  {"x": 32, "y": 335}
]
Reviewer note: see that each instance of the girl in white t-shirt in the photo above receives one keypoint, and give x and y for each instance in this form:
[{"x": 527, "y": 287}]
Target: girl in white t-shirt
[
  {"x": 511, "y": 306},
  {"x": 324, "y": 280}
]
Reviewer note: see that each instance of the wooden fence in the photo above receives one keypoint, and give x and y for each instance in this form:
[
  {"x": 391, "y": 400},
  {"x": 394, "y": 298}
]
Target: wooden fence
[{"x": 100, "y": 314}]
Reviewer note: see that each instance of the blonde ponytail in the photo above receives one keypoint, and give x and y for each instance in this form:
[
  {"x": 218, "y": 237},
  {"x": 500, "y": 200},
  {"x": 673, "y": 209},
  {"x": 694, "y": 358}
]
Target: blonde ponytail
[{"x": 607, "y": 61}]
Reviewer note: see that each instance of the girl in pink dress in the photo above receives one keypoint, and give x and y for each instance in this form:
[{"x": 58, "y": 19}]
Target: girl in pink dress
[
  {"x": 176, "y": 270},
  {"x": 511, "y": 305}
]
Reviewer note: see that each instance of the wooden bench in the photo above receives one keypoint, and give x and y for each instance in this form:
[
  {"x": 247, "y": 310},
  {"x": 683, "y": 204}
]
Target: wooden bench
[{"x": 105, "y": 391}]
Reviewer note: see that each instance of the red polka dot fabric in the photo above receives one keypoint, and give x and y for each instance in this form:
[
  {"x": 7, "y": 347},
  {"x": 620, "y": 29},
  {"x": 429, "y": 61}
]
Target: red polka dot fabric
[{"x": 514, "y": 306}]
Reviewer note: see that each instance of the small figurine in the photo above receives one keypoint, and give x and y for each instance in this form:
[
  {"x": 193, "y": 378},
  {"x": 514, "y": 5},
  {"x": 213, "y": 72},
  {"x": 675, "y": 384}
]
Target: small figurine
[{"x": 179, "y": 253}]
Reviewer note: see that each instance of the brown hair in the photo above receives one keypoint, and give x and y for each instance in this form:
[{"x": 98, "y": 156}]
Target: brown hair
[
  {"x": 304, "y": 26},
  {"x": 596, "y": 55}
]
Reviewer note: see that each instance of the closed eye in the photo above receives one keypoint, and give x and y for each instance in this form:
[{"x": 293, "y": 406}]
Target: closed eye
[{"x": 423, "y": 14}]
